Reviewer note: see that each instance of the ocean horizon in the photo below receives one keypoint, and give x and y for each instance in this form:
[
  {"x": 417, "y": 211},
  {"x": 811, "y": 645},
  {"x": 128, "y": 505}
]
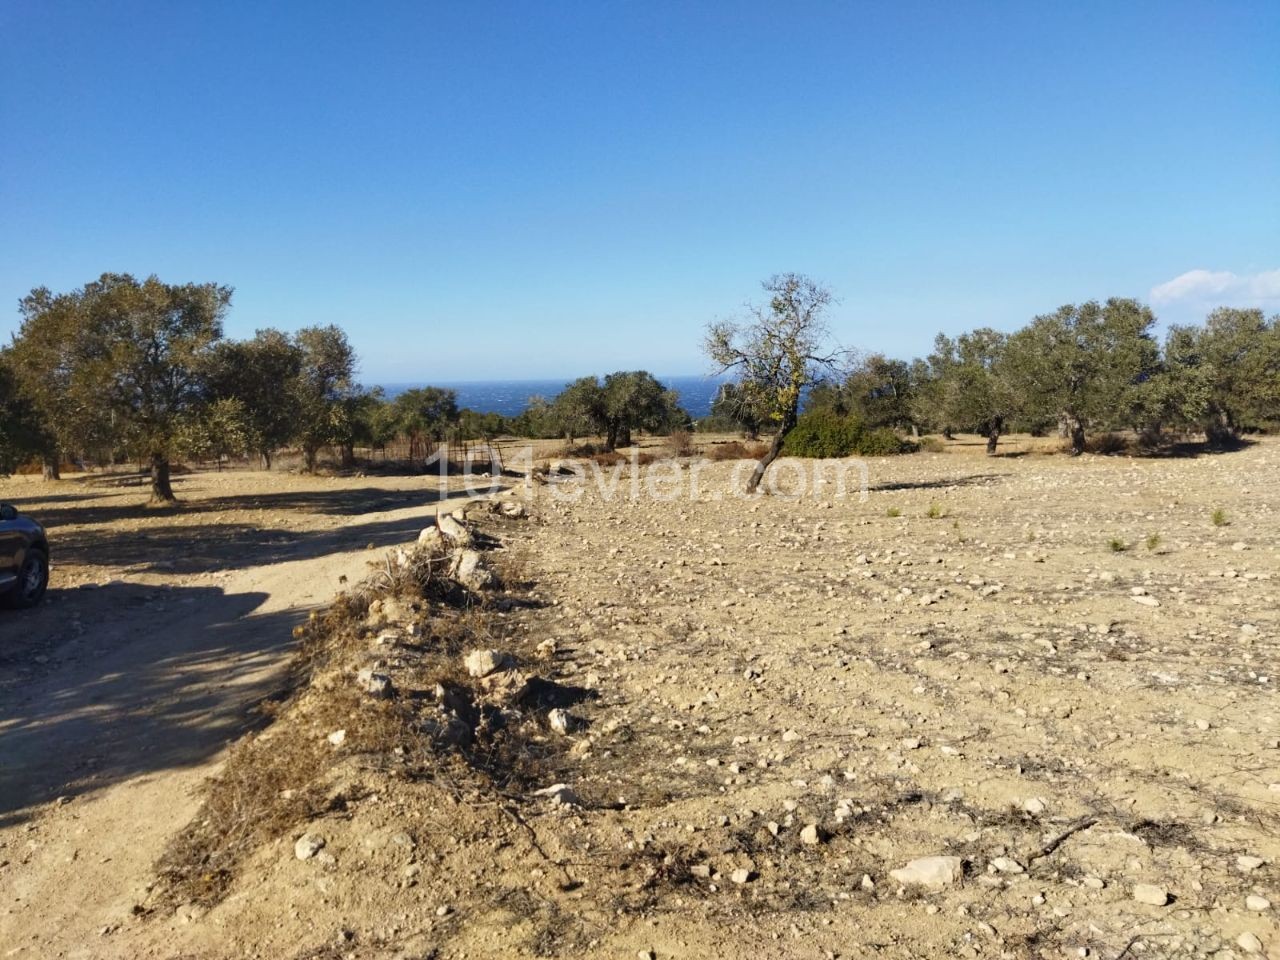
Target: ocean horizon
[{"x": 510, "y": 397}]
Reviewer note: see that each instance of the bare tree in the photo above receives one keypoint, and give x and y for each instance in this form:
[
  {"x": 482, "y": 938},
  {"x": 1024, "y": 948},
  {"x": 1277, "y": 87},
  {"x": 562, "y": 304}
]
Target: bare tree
[{"x": 782, "y": 349}]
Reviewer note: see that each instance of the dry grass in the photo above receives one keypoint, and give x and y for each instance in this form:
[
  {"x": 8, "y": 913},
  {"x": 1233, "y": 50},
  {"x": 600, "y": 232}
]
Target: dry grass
[
  {"x": 737, "y": 450},
  {"x": 275, "y": 781},
  {"x": 680, "y": 444}
]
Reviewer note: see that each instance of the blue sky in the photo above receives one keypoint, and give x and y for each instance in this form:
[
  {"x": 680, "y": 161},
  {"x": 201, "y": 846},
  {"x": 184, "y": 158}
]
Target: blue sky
[{"x": 492, "y": 190}]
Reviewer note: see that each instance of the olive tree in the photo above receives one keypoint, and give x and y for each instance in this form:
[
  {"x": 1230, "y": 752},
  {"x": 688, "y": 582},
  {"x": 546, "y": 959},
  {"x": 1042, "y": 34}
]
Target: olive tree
[
  {"x": 1084, "y": 364},
  {"x": 261, "y": 373},
  {"x": 425, "y": 414},
  {"x": 778, "y": 352},
  {"x": 627, "y": 400},
  {"x": 22, "y": 434},
  {"x": 122, "y": 361},
  {"x": 970, "y": 385},
  {"x": 320, "y": 391},
  {"x": 636, "y": 400},
  {"x": 1236, "y": 354}
]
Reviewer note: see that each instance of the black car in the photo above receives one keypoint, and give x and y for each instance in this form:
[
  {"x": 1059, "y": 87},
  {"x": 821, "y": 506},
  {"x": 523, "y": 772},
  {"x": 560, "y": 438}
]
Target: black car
[{"x": 24, "y": 559}]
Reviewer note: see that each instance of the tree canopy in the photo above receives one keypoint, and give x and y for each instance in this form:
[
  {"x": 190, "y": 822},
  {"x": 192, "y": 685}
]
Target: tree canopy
[{"x": 782, "y": 349}]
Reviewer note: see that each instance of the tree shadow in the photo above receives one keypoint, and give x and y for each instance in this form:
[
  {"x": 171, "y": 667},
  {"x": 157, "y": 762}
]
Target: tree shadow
[
  {"x": 972, "y": 480},
  {"x": 102, "y": 685},
  {"x": 1193, "y": 449},
  {"x": 348, "y": 503},
  {"x": 210, "y": 548},
  {"x": 139, "y": 679}
]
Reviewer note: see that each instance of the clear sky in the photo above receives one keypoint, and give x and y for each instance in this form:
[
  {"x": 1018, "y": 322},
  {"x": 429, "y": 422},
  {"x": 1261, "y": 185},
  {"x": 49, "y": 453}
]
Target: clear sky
[{"x": 493, "y": 190}]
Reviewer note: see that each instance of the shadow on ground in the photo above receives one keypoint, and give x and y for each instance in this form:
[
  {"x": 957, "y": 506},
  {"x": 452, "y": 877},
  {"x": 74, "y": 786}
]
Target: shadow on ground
[
  {"x": 113, "y": 507},
  {"x": 976, "y": 479},
  {"x": 146, "y": 679}
]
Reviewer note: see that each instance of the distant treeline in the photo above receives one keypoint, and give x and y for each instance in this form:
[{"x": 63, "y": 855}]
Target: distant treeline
[
  {"x": 123, "y": 371},
  {"x": 1080, "y": 371},
  {"x": 128, "y": 371}
]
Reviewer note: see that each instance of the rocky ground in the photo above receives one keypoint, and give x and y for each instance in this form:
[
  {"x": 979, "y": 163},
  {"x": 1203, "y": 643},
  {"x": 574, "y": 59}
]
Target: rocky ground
[{"x": 1007, "y": 707}]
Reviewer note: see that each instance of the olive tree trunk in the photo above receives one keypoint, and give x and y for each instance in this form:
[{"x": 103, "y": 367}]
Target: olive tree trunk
[
  {"x": 775, "y": 448},
  {"x": 1077, "y": 438},
  {"x": 49, "y": 468},
  {"x": 161, "y": 486},
  {"x": 993, "y": 434}
]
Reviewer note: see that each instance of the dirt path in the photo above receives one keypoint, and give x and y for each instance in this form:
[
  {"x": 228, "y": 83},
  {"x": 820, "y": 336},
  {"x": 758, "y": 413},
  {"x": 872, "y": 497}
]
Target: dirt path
[{"x": 127, "y": 709}]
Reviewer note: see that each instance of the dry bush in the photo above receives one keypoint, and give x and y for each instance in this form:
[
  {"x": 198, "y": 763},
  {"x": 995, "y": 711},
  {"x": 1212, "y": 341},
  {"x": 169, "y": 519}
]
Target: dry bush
[
  {"x": 262, "y": 792},
  {"x": 737, "y": 450},
  {"x": 680, "y": 444},
  {"x": 276, "y": 781},
  {"x": 613, "y": 458},
  {"x": 932, "y": 445},
  {"x": 1109, "y": 444}
]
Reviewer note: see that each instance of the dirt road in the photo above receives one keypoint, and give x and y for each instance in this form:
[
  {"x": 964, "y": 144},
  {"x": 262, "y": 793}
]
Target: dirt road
[{"x": 162, "y": 631}]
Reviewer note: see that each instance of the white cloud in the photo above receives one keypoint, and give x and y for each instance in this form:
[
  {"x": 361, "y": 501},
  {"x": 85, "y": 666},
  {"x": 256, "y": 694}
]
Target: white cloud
[{"x": 1219, "y": 286}]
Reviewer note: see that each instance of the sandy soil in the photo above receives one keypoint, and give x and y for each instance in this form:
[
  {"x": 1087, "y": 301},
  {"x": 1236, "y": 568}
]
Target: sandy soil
[{"x": 1062, "y": 672}]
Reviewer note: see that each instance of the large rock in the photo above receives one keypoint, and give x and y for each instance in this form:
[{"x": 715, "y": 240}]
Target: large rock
[
  {"x": 481, "y": 663},
  {"x": 933, "y": 872},
  {"x": 431, "y": 538},
  {"x": 1150, "y": 894},
  {"x": 469, "y": 570},
  {"x": 307, "y": 846},
  {"x": 375, "y": 684},
  {"x": 560, "y": 794},
  {"x": 452, "y": 529}
]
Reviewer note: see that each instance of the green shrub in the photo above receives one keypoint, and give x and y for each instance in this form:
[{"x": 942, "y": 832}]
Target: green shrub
[
  {"x": 1153, "y": 541},
  {"x": 824, "y": 434},
  {"x": 1117, "y": 545},
  {"x": 893, "y": 512},
  {"x": 1220, "y": 518},
  {"x": 935, "y": 511},
  {"x": 884, "y": 443}
]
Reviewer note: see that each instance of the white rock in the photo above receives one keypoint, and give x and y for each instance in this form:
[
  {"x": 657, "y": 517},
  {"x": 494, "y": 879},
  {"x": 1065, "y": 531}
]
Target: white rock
[
  {"x": 1257, "y": 903},
  {"x": 930, "y": 872},
  {"x": 1247, "y": 863},
  {"x": 481, "y": 663},
  {"x": 1007, "y": 865},
  {"x": 1146, "y": 601},
  {"x": 307, "y": 846},
  {"x": 810, "y": 835},
  {"x": 560, "y": 794},
  {"x": 469, "y": 569},
  {"x": 375, "y": 684},
  {"x": 1034, "y": 806},
  {"x": 561, "y": 721},
  {"x": 452, "y": 529},
  {"x": 867, "y": 882},
  {"x": 1149, "y": 893},
  {"x": 1249, "y": 942},
  {"x": 430, "y": 537},
  {"x": 337, "y": 737},
  {"x": 741, "y": 875},
  {"x": 790, "y": 736}
]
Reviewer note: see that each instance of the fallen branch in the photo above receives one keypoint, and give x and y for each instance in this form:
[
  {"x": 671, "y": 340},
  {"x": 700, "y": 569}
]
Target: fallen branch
[{"x": 1084, "y": 823}]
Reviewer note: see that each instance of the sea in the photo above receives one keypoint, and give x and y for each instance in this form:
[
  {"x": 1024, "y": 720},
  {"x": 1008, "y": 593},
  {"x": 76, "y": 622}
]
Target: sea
[{"x": 510, "y": 397}]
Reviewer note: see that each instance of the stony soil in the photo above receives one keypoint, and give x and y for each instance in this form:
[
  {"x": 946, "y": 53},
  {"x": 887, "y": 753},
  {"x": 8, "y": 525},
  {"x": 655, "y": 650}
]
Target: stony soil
[{"x": 1060, "y": 672}]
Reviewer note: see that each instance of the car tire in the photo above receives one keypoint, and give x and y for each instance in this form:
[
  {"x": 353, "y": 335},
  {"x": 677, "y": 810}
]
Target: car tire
[{"x": 33, "y": 580}]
